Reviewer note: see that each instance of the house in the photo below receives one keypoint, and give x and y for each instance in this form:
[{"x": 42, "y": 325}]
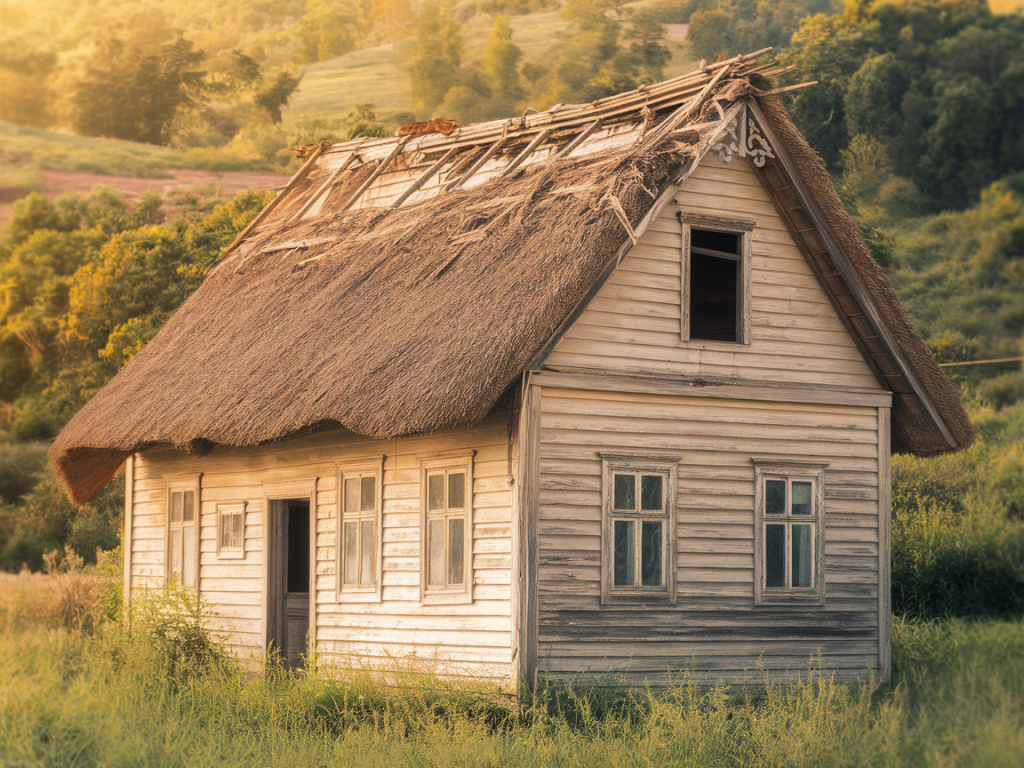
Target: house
[{"x": 601, "y": 393}]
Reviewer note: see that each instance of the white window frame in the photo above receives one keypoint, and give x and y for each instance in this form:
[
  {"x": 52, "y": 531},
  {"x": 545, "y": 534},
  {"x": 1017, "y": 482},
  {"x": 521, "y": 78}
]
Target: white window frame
[
  {"x": 180, "y": 484},
  {"x": 790, "y": 471},
  {"x": 229, "y": 510},
  {"x": 638, "y": 464},
  {"x": 742, "y": 229},
  {"x": 455, "y": 461},
  {"x": 360, "y": 468}
]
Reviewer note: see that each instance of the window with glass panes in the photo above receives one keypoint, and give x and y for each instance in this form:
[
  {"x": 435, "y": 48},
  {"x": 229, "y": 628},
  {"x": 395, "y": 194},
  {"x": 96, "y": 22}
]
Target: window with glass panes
[
  {"x": 182, "y": 535},
  {"x": 789, "y": 528},
  {"x": 638, "y": 529},
  {"x": 359, "y": 528},
  {"x": 447, "y": 529},
  {"x": 231, "y": 530}
]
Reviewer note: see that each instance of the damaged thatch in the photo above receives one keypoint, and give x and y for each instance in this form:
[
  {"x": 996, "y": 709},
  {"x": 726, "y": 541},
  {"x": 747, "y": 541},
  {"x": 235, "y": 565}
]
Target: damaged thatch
[{"x": 388, "y": 325}]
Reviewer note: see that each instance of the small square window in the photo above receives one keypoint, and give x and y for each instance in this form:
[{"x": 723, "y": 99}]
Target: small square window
[{"x": 231, "y": 530}]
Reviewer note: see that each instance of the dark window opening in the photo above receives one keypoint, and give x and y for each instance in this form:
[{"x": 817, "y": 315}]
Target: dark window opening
[
  {"x": 715, "y": 276},
  {"x": 298, "y": 547}
]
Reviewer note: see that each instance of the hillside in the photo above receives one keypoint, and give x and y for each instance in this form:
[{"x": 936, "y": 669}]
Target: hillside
[{"x": 377, "y": 76}]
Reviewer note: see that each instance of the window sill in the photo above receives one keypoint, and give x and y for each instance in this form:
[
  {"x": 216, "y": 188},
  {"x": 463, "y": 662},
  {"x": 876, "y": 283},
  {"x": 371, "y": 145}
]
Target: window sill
[
  {"x": 359, "y": 596},
  {"x": 231, "y": 554},
  {"x": 815, "y": 598},
  {"x": 723, "y": 346},
  {"x": 661, "y": 597},
  {"x": 447, "y": 598}
]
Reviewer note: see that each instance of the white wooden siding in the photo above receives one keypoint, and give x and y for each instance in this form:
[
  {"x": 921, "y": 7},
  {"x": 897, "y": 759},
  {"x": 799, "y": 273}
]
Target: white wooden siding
[
  {"x": 715, "y": 627},
  {"x": 633, "y": 323},
  {"x": 471, "y": 639}
]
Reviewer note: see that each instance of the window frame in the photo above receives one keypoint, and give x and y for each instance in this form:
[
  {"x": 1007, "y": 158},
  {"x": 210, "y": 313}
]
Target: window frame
[
  {"x": 356, "y": 593},
  {"x": 448, "y": 462},
  {"x": 638, "y": 464},
  {"x": 231, "y": 508},
  {"x": 181, "y": 484},
  {"x": 790, "y": 471},
  {"x": 741, "y": 229}
]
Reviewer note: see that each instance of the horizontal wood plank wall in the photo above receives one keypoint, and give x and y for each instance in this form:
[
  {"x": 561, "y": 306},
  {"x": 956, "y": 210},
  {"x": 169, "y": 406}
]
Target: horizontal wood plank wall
[
  {"x": 715, "y": 629},
  {"x": 633, "y": 323},
  {"x": 471, "y": 639}
]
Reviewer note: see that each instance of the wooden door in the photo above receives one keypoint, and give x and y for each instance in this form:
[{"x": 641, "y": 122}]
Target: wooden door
[{"x": 290, "y": 579}]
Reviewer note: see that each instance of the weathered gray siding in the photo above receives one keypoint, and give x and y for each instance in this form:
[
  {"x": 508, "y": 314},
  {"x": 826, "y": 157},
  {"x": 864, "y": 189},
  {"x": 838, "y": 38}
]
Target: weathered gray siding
[{"x": 715, "y": 627}]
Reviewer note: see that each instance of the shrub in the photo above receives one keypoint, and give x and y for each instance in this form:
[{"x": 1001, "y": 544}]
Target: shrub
[
  {"x": 20, "y": 465},
  {"x": 945, "y": 564},
  {"x": 172, "y": 620},
  {"x": 82, "y": 601},
  {"x": 1003, "y": 390}
]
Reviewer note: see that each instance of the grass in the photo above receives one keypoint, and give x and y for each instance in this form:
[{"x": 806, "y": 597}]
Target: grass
[{"x": 69, "y": 696}]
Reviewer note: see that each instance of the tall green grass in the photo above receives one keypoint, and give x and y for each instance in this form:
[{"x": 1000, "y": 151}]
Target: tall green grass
[{"x": 110, "y": 697}]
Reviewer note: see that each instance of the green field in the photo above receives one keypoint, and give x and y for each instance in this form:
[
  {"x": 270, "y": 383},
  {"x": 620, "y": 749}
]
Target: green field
[{"x": 154, "y": 693}]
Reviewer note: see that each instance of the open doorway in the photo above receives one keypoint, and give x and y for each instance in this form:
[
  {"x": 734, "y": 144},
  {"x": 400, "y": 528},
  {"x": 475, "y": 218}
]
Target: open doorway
[{"x": 289, "y": 579}]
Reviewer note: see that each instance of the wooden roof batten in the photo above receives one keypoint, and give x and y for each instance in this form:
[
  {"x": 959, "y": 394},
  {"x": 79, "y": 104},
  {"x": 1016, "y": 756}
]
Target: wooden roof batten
[{"x": 540, "y": 128}]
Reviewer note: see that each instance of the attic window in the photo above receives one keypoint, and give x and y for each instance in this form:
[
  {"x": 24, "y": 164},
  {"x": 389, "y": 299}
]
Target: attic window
[{"x": 715, "y": 285}]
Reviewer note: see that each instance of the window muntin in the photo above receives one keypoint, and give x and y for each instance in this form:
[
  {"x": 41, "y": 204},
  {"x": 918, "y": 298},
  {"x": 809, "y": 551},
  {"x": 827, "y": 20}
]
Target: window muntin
[
  {"x": 359, "y": 535},
  {"x": 446, "y": 543},
  {"x": 789, "y": 532},
  {"x": 231, "y": 530},
  {"x": 715, "y": 280},
  {"x": 182, "y": 534},
  {"x": 639, "y": 529}
]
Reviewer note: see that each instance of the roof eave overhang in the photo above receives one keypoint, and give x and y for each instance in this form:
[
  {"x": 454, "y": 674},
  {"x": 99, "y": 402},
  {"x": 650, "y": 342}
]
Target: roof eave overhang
[{"x": 890, "y": 364}]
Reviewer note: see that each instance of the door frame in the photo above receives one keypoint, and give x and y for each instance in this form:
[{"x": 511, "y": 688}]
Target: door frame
[{"x": 273, "y": 494}]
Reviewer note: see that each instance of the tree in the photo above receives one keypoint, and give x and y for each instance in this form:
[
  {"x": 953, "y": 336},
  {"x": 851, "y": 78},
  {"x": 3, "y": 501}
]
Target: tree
[
  {"x": 128, "y": 95},
  {"x": 501, "y": 64},
  {"x": 276, "y": 95},
  {"x": 437, "y": 54}
]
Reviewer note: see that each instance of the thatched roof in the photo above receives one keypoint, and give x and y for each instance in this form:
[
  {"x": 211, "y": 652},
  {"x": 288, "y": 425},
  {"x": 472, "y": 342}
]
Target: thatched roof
[{"x": 400, "y": 286}]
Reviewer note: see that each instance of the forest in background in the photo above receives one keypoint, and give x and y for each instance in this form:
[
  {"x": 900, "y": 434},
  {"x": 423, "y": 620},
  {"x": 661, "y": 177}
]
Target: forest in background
[{"x": 918, "y": 112}]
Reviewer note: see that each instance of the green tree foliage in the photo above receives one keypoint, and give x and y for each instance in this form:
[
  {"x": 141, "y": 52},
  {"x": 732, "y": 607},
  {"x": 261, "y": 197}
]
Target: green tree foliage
[
  {"x": 936, "y": 83},
  {"x": 85, "y": 282},
  {"x": 616, "y": 49},
  {"x": 275, "y": 96},
  {"x": 436, "y": 57},
  {"x": 126, "y": 94},
  {"x": 961, "y": 277},
  {"x": 729, "y": 27}
]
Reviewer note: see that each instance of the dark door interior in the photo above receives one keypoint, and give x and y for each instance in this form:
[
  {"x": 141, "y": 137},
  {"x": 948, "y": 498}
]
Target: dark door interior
[{"x": 290, "y": 579}]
